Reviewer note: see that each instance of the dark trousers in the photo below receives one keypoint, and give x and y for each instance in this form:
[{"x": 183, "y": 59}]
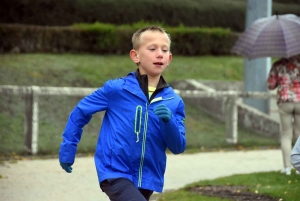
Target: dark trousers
[{"x": 122, "y": 189}]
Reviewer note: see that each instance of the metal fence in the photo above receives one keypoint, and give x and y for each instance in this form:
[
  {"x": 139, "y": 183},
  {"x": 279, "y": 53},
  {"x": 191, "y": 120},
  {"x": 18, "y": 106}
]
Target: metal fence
[{"x": 33, "y": 95}]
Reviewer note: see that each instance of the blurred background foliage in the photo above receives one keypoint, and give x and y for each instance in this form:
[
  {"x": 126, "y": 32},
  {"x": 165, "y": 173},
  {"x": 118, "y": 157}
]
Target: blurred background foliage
[
  {"x": 101, "y": 38},
  {"x": 200, "y": 13},
  {"x": 197, "y": 27}
]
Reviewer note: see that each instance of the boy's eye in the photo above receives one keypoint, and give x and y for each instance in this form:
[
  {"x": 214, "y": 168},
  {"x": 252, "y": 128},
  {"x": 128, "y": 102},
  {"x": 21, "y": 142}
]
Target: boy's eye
[{"x": 163, "y": 50}]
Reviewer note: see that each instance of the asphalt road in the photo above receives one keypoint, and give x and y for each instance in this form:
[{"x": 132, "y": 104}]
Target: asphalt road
[{"x": 44, "y": 180}]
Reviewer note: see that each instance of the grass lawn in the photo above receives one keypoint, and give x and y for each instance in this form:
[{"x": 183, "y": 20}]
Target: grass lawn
[
  {"x": 274, "y": 184},
  {"x": 93, "y": 70}
]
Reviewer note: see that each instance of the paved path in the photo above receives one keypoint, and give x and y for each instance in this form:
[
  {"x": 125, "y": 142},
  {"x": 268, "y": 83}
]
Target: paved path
[{"x": 36, "y": 180}]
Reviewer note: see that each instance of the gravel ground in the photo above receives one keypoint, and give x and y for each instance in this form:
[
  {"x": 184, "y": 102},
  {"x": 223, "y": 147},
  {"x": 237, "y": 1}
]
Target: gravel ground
[{"x": 43, "y": 179}]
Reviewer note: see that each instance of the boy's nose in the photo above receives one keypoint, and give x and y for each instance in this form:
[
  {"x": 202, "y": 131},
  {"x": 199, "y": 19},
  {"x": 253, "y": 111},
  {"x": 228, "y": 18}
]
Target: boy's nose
[{"x": 159, "y": 53}]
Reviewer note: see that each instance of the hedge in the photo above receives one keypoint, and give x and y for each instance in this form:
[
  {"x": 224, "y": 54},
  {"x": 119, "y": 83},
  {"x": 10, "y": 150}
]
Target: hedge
[{"x": 109, "y": 39}]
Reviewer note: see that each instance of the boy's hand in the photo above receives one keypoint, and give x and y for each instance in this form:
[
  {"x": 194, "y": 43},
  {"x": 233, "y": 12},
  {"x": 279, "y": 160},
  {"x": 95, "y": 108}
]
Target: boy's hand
[
  {"x": 66, "y": 166},
  {"x": 163, "y": 112}
]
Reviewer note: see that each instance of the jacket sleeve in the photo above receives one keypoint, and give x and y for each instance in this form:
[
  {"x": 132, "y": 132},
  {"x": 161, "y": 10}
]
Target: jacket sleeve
[
  {"x": 295, "y": 155},
  {"x": 174, "y": 131},
  {"x": 79, "y": 117}
]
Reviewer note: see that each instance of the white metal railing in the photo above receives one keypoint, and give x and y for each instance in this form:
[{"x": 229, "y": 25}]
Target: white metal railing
[{"x": 32, "y": 106}]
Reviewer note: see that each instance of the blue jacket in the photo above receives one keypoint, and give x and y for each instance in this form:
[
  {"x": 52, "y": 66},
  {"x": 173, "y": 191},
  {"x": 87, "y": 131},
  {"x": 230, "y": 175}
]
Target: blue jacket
[{"x": 133, "y": 140}]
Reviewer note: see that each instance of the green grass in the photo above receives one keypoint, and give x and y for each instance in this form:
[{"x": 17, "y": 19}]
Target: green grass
[
  {"x": 82, "y": 70},
  {"x": 274, "y": 184},
  {"x": 93, "y": 70}
]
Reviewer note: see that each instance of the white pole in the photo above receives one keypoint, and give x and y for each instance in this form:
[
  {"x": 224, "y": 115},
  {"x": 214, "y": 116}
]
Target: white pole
[
  {"x": 35, "y": 120},
  {"x": 231, "y": 115}
]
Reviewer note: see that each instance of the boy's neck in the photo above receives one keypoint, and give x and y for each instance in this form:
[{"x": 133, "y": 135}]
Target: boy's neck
[{"x": 153, "y": 81}]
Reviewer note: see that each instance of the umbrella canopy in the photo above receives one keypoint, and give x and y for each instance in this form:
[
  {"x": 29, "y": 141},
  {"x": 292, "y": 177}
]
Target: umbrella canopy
[{"x": 275, "y": 36}]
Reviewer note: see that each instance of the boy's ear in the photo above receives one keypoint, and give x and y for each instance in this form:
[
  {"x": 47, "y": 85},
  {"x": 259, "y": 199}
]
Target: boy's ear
[
  {"x": 134, "y": 56},
  {"x": 170, "y": 58}
]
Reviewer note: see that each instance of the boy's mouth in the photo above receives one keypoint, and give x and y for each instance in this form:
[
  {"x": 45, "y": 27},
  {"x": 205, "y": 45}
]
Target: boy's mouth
[{"x": 158, "y": 63}]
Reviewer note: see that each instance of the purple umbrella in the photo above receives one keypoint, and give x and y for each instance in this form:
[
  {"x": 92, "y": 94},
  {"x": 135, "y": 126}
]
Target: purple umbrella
[{"x": 275, "y": 36}]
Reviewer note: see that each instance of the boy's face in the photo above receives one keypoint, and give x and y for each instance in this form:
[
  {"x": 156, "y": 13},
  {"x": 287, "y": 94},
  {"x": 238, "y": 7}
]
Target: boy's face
[{"x": 153, "y": 55}]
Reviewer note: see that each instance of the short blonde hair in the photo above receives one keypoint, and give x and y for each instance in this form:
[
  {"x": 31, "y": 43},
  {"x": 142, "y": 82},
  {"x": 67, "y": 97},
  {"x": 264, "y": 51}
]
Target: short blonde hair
[{"x": 136, "y": 38}]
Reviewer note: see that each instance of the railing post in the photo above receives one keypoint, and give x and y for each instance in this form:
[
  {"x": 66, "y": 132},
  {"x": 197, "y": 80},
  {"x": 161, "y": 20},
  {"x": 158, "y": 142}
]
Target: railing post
[
  {"x": 31, "y": 121},
  {"x": 231, "y": 119},
  {"x": 28, "y": 121},
  {"x": 35, "y": 119}
]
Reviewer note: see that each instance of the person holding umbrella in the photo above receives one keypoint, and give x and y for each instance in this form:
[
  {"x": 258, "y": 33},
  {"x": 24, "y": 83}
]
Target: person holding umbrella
[
  {"x": 285, "y": 76},
  {"x": 279, "y": 36}
]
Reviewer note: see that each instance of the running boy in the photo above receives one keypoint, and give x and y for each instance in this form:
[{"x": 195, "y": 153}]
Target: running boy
[{"x": 144, "y": 117}]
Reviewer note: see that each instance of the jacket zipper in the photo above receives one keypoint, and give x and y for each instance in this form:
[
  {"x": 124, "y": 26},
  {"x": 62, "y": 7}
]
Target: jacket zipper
[
  {"x": 145, "y": 137},
  {"x": 143, "y": 147}
]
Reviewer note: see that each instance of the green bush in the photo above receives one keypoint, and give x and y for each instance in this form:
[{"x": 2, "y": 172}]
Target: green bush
[
  {"x": 201, "y": 41},
  {"x": 287, "y": 1},
  {"x": 110, "y": 39}
]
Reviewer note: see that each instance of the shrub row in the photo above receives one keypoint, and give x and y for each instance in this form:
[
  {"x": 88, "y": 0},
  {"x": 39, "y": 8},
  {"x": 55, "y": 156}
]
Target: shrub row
[
  {"x": 198, "y": 13},
  {"x": 109, "y": 39},
  {"x": 287, "y": 1}
]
